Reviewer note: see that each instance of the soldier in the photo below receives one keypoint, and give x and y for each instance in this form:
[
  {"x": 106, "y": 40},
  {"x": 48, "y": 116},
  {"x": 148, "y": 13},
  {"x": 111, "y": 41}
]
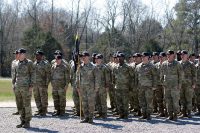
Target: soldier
[
  {"x": 86, "y": 84},
  {"x": 103, "y": 75},
  {"x": 146, "y": 83},
  {"x": 197, "y": 89},
  {"x": 60, "y": 78},
  {"x": 188, "y": 84},
  {"x": 41, "y": 79},
  {"x": 56, "y": 53},
  {"x": 23, "y": 87},
  {"x": 159, "y": 92},
  {"x": 13, "y": 65},
  {"x": 121, "y": 80},
  {"x": 171, "y": 73},
  {"x": 155, "y": 60}
]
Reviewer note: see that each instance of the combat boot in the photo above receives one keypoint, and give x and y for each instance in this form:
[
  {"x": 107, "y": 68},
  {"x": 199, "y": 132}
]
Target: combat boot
[
  {"x": 56, "y": 113},
  {"x": 198, "y": 112},
  {"x": 26, "y": 125},
  {"x": 20, "y": 125},
  {"x": 38, "y": 112},
  {"x": 175, "y": 117},
  {"x": 85, "y": 120},
  {"x": 170, "y": 116},
  {"x": 121, "y": 116},
  {"x": 16, "y": 113},
  {"x": 62, "y": 113},
  {"x": 90, "y": 121},
  {"x": 144, "y": 116},
  {"x": 189, "y": 114},
  {"x": 148, "y": 116},
  {"x": 183, "y": 114}
]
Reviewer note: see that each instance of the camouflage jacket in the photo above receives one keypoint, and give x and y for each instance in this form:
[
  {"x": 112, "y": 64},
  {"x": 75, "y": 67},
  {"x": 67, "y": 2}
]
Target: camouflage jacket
[
  {"x": 85, "y": 76},
  {"x": 158, "y": 73},
  {"x": 60, "y": 75},
  {"x": 198, "y": 73},
  {"x": 146, "y": 75},
  {"x": 133, "y": 74},
  {"x": 41, "y": 73},
  {"x": 24, "y": 73},
  {"x": 103, "y": 75},
  {"x": 171, "y": 73},
  {"x": 189, "y": 72},
  {"x": 122, "y": 76}
]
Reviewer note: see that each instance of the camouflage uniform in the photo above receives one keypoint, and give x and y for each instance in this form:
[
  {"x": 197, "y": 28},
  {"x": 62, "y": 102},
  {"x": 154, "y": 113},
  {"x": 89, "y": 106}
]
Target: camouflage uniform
[
  {"x": 87, "y": 82},
  {"x": 133, "y": 94},
  {"x": 197, "y": 89},
  {"x": 41, "y": 79},
  {"x": 103, "y": 75},
  {"x": 159, "y": 92},
  {"x": 75, "y": 94},
  {"x": 121, "y": 80},
  {"x": 60, "y": 78},
  {"x": 186, "y": 92},
  {"x": 13, "y": 75},
  {"x": 111, "y": 91},
  {"x": 24, "y": 75},
  {"x": 171, "y": 73},
  {"x": 146, "y": 81}
]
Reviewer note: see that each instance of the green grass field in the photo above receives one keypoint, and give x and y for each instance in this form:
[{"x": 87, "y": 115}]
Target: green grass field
[{"x": 6, "y": 92}]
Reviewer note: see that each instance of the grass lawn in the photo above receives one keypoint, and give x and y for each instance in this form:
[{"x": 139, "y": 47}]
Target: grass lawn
[{"x": 6, "y": 92}]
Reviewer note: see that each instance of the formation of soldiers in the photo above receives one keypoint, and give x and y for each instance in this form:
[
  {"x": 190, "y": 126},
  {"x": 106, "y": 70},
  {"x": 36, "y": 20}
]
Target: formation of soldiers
[{"x": 162, "y": 83}]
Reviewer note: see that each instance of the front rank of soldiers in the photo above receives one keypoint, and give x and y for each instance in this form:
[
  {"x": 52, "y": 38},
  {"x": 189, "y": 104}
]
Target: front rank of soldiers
[{"x": 162, "y": 85}]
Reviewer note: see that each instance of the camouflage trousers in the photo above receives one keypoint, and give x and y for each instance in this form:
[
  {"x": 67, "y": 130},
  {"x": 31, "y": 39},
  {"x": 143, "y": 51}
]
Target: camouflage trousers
[
  {"x": 145, "y": 96},
  {"x": 159, "y": 95},
  {"x": 186, "y": 95},
  {"x": 172, "y": 97},
  {"x": 59, "y": 97},
  {"x": 76, "y": 99},
  {"x": 23, "y": 96},
  {"x": 122, "y": 100},
  {"x": 41, "y": 97},
  {"x": 87, "y": 94},
  {"x": 111, "y": 93},
  {"x": 16, "y": 100},
  {"x": 101, "y": 101},
  {"x": 197, "y": 96},
  {"x": 133, "y": 99}
]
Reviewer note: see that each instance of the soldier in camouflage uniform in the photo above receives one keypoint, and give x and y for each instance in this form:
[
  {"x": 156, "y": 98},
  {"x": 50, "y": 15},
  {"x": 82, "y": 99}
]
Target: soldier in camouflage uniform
[
  {"x": 13, "y": 65},
  {"x": 41, "y": 79},
  {"x": 155, "y": 57},
  {"x": 86, "y": 84},
  {"x": 188, "y": 84},
  {"x": 56, "y": 53},
  {"x": 23, "y": 88},
  {"x": 146, "y": 82},
  {"x": 159, "y": 92},
  {"x": 121, "y": 80},
  {"x": 103, "y": 75},
  {"x": 171, "y": 73},
  {"x": 60, "y": 78},
  {"x": 197, "y": 89}
]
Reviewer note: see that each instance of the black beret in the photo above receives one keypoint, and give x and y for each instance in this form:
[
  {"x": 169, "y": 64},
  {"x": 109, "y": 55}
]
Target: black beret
[
  {"x": 145, "y": 54},
  {"x": 178, "y": 52},
  {"x": 163, "y": 54},
  {"x": 39, "y": 52},
  {"x": 58, "y": 57},
  {"x": 184, "y": 52},
  {"x": 15, "y": 52},
  {"x": 170, "y": 52},
  {"x": 99, "y": 56},
  {"x": 57, "y": 52},
  {"x": 155, "y": 54},
  {"x": 93, "y": 55},
  {"x": 85, "y": 53},
  {"x": 21, "y": 50},
  {"x": 137, "y": 55},
  {"x": 120, "y": 55}
]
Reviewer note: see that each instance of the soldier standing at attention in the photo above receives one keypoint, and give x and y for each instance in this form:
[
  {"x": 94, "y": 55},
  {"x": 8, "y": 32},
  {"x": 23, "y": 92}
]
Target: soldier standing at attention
[
  {"x": 41, "y": 79},
  {"x": 146, "y": 82},
  {"x": 197, "y": 89},
  {"x": 188, "y": 84},
  {"x": 171, "y": 73},
  {"x": 103, "y": 75},
  {"x": 60, "y": 78},
  {"x": 121, "y": 80},
  {"x": 13, "y": 65},
  {"x": 23, "y": 88},
  {"x": 86, "y": 84}
]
